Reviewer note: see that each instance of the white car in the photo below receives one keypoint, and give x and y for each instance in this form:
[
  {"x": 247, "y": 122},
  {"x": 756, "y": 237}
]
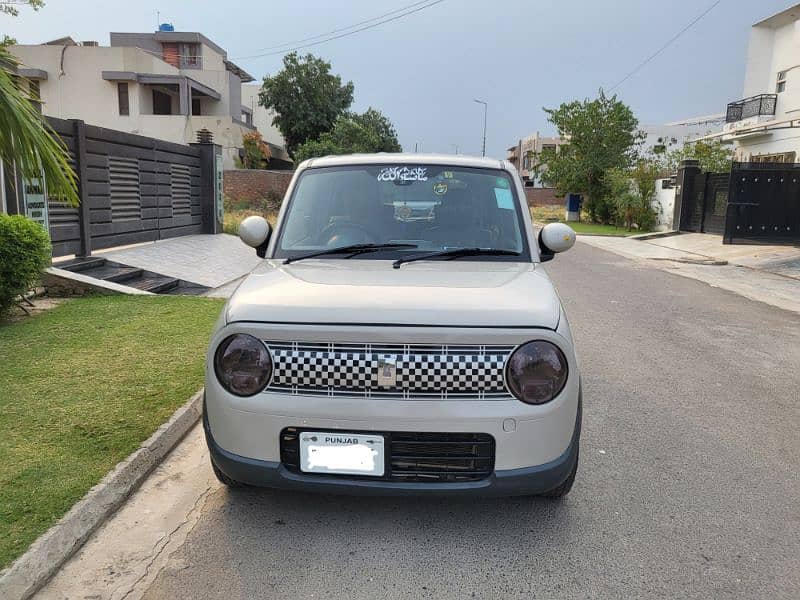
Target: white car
[{"x": 373, "y": 353}]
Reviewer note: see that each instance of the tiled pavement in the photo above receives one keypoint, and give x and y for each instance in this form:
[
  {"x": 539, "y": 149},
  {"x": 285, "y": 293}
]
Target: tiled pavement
[{"x": 210, "y": 260}]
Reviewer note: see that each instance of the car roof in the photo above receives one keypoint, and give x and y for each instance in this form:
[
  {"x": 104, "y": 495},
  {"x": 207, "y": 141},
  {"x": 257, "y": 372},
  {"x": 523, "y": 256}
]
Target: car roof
[{"x": 405, "y": 158}]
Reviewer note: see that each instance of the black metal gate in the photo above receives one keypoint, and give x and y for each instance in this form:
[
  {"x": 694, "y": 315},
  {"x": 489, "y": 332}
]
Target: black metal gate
[
  {"x": 705, "y": 201},
  {"x": 764, "y": 204}
]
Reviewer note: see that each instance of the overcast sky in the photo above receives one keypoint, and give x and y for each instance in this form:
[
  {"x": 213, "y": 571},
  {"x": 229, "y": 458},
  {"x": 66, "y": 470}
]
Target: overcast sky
[{"x": 424, "y": 70}]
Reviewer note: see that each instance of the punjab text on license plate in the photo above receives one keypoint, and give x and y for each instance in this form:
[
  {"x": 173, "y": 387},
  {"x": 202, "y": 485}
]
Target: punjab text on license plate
[{"x": 341, "y": 453}]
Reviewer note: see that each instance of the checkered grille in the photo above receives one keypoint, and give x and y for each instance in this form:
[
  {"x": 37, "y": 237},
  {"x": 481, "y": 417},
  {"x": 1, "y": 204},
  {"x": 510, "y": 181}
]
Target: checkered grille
[{"x": 437, "y": 372}]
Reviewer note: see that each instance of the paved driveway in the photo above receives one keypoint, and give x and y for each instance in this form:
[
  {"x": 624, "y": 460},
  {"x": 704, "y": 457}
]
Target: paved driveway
[
  {"x": 210, "y": 260},
  {"x": 687, "y": 487}
]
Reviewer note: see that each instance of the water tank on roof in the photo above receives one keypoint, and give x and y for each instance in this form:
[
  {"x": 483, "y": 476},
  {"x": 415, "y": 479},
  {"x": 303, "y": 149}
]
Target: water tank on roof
[{"x": 166, "y": 27}]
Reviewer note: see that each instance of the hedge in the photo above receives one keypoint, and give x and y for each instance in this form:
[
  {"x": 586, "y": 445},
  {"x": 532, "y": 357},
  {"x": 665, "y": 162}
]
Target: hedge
[{"x": 24, "y": 254}]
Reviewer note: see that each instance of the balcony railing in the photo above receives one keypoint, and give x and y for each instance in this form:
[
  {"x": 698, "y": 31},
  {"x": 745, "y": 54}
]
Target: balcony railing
[{"x": 763, "y": 104}]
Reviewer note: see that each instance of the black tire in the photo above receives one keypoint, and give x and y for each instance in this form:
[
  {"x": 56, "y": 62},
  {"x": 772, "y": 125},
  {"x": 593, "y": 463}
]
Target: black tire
[
  {"x": 563, "y": 489},
  {"x": 224, "y": 479}
]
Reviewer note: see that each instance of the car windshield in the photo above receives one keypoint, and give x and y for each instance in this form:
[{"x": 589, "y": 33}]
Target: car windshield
[{"x": 429, "y": 208}]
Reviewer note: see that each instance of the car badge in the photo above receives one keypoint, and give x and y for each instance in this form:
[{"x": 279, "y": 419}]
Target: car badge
[{"x": 387, "y": 371}]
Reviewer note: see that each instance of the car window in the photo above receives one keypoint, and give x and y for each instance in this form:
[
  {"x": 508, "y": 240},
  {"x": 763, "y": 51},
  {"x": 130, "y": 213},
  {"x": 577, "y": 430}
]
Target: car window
[{"x": 432, "y": 206}]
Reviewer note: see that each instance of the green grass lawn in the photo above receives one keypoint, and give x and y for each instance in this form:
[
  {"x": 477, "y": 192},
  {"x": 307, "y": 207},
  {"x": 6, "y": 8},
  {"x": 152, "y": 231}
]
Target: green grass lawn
[
  {"x": 542, "y": 215},
  {"x": 598, "y": 229},
  {"x": 81, "y": 386}
]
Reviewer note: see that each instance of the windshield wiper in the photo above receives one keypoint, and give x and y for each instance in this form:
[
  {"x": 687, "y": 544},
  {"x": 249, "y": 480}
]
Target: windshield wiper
[
  {"x": 352, "y": 249},
  {"x": 456, "y": 253}
]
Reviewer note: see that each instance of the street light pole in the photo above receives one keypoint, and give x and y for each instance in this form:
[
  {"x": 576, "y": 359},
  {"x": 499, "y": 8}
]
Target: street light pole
[{"x": 485, "y": 109}]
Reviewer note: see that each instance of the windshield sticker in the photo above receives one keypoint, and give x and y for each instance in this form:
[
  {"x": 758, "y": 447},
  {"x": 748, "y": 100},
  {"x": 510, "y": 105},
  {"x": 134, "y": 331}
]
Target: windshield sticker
[
  {"x": 403, "y": 174},
  {"x": 447, "y": 174},
  {"x": 501, "y": 182},
  {"x": 440, "y": 189},
  {"x": 504, "y": 198}
]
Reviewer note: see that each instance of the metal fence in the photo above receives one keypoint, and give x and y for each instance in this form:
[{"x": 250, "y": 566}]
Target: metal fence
[
  {"x": 133, "y": 189},
  {"x": 763, "y": 104}
]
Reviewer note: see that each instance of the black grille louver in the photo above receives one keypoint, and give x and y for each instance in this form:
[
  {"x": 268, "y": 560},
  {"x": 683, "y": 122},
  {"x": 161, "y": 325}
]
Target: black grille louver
[{"x": 418, "y": 457}]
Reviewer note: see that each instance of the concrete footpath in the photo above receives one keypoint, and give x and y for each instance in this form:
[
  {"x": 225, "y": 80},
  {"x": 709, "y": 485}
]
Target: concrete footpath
[{"x": 769, "y": 274}]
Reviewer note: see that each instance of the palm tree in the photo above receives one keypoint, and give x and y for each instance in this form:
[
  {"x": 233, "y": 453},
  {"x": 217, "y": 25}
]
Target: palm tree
[{"x": 27, "y": 141}]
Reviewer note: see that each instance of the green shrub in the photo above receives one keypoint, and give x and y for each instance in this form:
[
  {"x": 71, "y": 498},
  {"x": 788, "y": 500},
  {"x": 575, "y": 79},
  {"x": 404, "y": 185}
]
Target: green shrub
[{"x": 24, "y": 254}]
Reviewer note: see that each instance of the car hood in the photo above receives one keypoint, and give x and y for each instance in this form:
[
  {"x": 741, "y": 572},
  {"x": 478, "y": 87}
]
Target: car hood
[{"x": 437, "y": 293}]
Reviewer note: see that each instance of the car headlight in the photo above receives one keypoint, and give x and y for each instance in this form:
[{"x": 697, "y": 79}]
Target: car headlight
[
  {"x": 536, "y": 372},
  {"x": 243, "y": 364}
]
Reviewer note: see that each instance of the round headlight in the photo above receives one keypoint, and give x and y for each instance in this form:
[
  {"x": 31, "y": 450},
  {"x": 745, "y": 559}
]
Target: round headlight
[
  {"x": 243, "y": 364},
  {"x": 536, "y": 372}
]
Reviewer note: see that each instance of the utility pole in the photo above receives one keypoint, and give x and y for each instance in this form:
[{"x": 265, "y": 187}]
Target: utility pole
[{"x": 485, "y": 109}]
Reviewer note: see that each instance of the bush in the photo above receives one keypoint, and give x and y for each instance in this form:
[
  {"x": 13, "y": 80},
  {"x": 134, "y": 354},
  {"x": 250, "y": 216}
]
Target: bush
[
  {"x": 256, "y": 151},
  {"x": 24, "y": 254}
]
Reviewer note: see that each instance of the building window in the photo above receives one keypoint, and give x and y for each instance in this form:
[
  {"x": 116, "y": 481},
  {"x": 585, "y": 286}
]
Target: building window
[
  {"x": 247, "y": 118},
  {"x": 780, "y": 157},
  {"x": 190, "y": 56},
  {"x": 781, "y": 84},
  {"x": 196, "y": 107},
  {"x": 124, "y": 101},
  {"x": 162, "y": 103}
]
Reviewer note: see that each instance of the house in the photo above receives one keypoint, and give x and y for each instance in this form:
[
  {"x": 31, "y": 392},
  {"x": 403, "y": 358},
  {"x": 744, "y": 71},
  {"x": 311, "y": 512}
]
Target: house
[
  {"x": 763, "y": 125},
  {"x": 168, "y": 85},
  {"x": 525, "y": 155}
]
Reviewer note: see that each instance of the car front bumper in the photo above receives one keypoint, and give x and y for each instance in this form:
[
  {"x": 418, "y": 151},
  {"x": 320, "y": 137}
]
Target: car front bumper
[{"x": 522, "y": 481}]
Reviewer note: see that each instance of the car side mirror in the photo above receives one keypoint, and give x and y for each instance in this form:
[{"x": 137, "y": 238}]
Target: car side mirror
[
  {"x": 255, "y": 232},
  {"x": 555, "y": 238}
]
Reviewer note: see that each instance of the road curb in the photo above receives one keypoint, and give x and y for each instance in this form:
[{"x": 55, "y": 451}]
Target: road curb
[{"x": 53, "y": 548}]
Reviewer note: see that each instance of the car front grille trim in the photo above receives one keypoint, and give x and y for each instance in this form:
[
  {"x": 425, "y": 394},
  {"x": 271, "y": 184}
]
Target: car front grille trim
[{"x": 434, "y": 372}]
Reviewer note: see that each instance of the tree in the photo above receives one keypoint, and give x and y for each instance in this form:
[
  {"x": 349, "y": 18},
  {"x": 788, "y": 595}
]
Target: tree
[
  {"x": 632, "y": 190},
  {"x": 713, "y": 156},
  {"x": 256, "y": 151},
  {"x": 12, "y": 8},
  {"x": 602, "y": 135},
  {"x": 379, "y": 123},
  {"x": 353, "y": 133},
  {"x": 306, "y": 97},
  {"x": 25, "y": 138}
]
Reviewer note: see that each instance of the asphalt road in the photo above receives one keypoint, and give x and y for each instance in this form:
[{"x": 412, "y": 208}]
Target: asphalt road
[{"x": 688, "y": 484}]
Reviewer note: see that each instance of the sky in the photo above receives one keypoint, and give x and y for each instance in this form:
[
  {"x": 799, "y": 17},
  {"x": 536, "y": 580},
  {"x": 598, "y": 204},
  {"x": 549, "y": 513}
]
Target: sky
[{"x": 424, "y": 70}]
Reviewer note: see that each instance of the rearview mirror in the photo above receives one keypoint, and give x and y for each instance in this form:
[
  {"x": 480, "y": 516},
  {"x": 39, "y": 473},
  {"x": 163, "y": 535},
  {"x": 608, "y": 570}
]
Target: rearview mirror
[
  {"x": 255, "y": 231},
  {"x": 555, "y": 238}
]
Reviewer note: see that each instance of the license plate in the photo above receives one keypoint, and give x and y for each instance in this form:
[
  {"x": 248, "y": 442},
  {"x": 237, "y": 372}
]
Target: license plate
[{"x": 341, "y": 453}]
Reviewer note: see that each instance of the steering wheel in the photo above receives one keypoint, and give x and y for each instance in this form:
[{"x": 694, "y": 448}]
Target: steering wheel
[{"x": 345, "y": 233}]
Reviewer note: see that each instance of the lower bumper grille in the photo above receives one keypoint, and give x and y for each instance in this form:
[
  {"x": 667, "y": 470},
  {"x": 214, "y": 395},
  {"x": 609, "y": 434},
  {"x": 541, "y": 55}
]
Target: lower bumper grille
[{"x": 417, "y": 457}]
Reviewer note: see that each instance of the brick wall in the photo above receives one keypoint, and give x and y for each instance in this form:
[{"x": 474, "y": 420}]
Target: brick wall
[
  {"x": 254, "y": 184},
  {"x": 543, "y": 197}
]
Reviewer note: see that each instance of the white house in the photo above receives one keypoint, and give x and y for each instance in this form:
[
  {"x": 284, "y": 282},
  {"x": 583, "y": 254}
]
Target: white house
[
  {"x": 764, "y": 125},
  {"x": 167, "y": 85}
]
